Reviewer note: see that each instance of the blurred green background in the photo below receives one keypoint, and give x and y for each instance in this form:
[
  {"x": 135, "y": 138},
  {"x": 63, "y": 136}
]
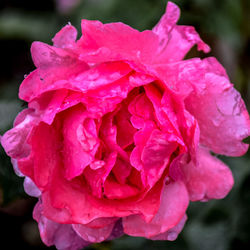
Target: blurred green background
[{"x": 224, "y": 24}]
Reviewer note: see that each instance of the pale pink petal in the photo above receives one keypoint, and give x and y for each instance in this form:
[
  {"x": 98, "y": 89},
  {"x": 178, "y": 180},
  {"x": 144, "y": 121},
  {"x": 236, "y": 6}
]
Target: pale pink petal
[
  {"x": 210, "y": 178},
  {"x": 14, "y": 141},
  {"x": 30, "y": 187},
  {"x": 172, "y": 233},
  {"x": 221, "y": 113},
  {"x": 16, "y": 168},
  {"x": 211, "y": 99},
  {"x": 93, "y": 235},
  {"x": 61, "y": 235},
  {"x": 174, "y": 202}
]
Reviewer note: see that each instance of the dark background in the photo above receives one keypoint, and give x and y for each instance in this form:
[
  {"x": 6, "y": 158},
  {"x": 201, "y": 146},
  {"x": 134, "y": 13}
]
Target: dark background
[{"x": 223, "y": 24}]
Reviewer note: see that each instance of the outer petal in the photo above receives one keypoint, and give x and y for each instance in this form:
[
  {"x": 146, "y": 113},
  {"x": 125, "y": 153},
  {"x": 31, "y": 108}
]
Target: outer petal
[
  {"x": 172, "y": 233},
  {"x": 221, "y": 113},
  {"x": 45, "y": 142},
  {"x": 61, "y": 235},
  {"x": 93, "y": 234},
  {"x": 66, "y": 37},
  {"x": 54, "y": 67},
  {"x": 208, "y": 179},
  {"x": 114, "y": 42},
  {"x": 14, "y": 141},
  {"x": 219, "y": 110},
  {"x": 31, "y": 188},
  {"x": 175, "y": 41},
  {"x": 174, "y": 202}
]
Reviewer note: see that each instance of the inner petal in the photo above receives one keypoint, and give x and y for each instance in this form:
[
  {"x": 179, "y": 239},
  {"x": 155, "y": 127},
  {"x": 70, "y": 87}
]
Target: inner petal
[
  {"x": 97, "y": 177},
  {"x": 115, "y": 190},
  {"x": 80, "y": 141}
]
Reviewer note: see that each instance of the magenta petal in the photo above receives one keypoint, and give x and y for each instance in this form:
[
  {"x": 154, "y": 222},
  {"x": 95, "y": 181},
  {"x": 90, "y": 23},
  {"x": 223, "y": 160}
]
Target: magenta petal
[
  {"x": 166, "y": 23},
  {"x": 174, "y": 202},
  {"x": 115, "y": 42},
  {"x": 80, "y": 142},
  {"x": 115, "y": 190},
  {"x": 174, "y": 40},
  {"x": 156, "y": 154},
  {"x": 66, "y": 37},
  {"x": 210, "y": 178}
]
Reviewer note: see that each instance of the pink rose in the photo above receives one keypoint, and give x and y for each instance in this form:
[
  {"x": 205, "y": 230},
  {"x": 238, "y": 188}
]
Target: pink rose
[{"x": 118, "y": 131}]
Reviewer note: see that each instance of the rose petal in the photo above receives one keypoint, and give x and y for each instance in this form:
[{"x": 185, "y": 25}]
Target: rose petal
[
  {"x": 210, "y": 178},
  {"x": 156, "y": 155},
  {"x": 221, "y": 113},
  {"x": 45, "y": 143},
  {"x": 106, "y": 42},
  {"x": 54, "y": 67},
  {"x": 172, "y": 233},
  {"x": 14, "y": 141},
  {"x": 219, "y": 110},
  {"x": 80, "y": 141},
  {"x": 121, "y": 170},
  {"x": 96, "y": 178},
  {"x": 174, "y": 202},
  {"x": 59, "y": 204},
  {"x": 30, "y": 187},
  {"x": 115, "y": 190},
  {"x": 93, "y": 234},
  {"x": 66, "y": 37},
  {"x": 174, "y": 40},
  {"x": 61, "y": 235}
]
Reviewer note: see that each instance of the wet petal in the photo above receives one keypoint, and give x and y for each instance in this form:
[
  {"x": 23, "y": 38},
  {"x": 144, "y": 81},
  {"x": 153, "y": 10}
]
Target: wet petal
[
  {"x": 61, "y": 235},
  {"x": 80, "y": 141},
  {"x": 219, "y": 109},
  {"x": 115, "y": 42},
  {"x": 175, "y": 40},
  {"x": 93, "y": 235},
  {"x": 66, "y": 37},
  {"x": 174, "y": 202},
  {"x": 172, "y": 233},
  {"x": 210, "y": 178},
  {"x": 14, "y": 141}
]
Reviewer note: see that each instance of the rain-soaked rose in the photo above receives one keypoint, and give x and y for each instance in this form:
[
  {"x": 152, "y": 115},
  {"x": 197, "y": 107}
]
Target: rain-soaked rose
[{"x": 118, "y": 131}]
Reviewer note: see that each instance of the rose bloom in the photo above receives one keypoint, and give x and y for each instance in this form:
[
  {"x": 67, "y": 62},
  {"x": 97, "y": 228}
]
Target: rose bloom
[{"x": 118, "y": 131}]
